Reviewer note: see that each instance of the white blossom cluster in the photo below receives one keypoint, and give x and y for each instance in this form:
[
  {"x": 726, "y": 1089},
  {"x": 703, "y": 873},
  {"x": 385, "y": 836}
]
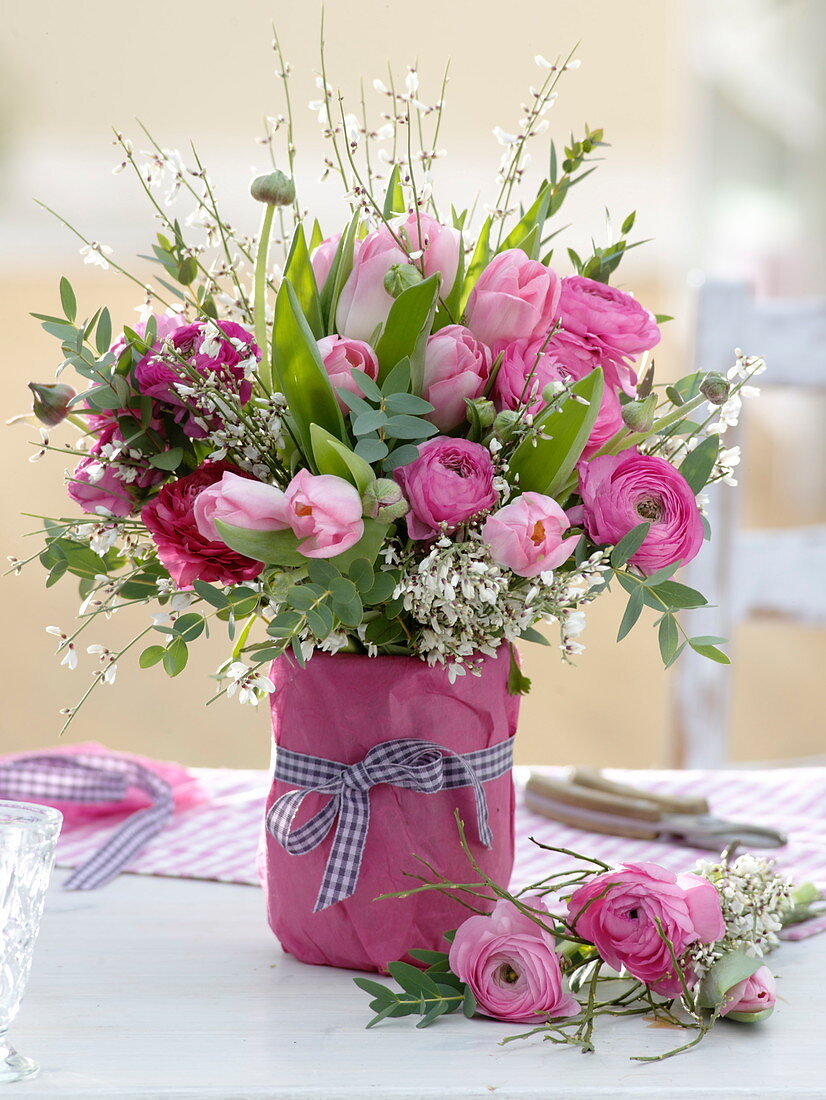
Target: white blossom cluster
[
  {"x": 754, "y": 900},
  {"x": 467, "y": 604}
]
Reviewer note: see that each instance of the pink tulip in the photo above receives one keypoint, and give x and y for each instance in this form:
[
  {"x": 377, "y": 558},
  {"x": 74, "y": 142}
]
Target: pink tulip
[
  {"x": 324, "y": 512},
  {"x": 439, "y": 244},
  {"x": 756, "y": 994},
  {"x": 456, "y": 367},
  {"x": 240, "y": 502},
  {"x": 515, "y": 298},
  {"x": 526, "y": 535},
  {"x": 341, "y": 355}
]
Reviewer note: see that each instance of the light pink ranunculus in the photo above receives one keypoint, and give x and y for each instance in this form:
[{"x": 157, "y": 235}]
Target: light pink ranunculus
[
  {"x": 611, "y": 317},
  {"x": 456, "y": 367},
  {"x": 755, "y": 994},
  {"x": 526, "y": 535},
  {"x": 325, "y": 513},
  {"x": 515, "y": 298},
  {"x": 241, "y": 502},
  {"x": 450, "y": 481},
  {"x": 511, "y": 965},
  {"x": 341, "y": 355},
  {"x": 364, "y": 303},
  {"x": 618, "y": 912},
  {"x": 619, "y": 492}
]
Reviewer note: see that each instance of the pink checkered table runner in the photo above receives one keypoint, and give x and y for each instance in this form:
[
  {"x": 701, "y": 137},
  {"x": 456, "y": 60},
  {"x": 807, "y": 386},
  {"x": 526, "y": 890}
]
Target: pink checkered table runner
[{"x": 218, "y": 838}]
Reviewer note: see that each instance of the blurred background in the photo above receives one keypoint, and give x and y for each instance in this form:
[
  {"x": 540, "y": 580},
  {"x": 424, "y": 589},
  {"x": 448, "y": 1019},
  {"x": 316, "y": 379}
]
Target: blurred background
[{"x": 715, "y": 116}]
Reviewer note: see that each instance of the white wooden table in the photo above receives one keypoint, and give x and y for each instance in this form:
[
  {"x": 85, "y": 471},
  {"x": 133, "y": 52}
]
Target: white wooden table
[{"x": 164, "y": 989}]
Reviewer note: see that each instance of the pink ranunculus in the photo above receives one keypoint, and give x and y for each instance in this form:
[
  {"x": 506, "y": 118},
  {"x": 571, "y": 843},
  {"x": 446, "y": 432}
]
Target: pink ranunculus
[
  {"x": 95, "y": 485},
  {"x": 579, "y": 355},
  {"x": 515, "y": 298},
  {"x": 450, "y": 481},
  {"x": 456, "y": 367},
  {"x": 325, "y": 512},
  {"x": 619, "y": 492},
  {"x": 341, "y": 355},
  {"x": 618, "y": 912},
  {"x": 186, "y": 553},
  {"x": 241, "y": 502},
  {"x": 511, "y": 965},
  {"x": 219, "y": 350},
  {"x": 526, "y": 368},
  {"x": 610, "y": 317},
  {"x": 755, "y": 994},
  {"x": 364, "y": 303},
  {"x": 526, "y": 535}
]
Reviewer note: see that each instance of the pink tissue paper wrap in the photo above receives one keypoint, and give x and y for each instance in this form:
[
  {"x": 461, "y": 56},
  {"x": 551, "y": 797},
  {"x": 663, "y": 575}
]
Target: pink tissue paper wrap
[{"x": 339, "y": 707}]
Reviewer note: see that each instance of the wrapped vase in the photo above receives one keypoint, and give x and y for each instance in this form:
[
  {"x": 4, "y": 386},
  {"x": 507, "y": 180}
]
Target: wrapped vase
[{"x": 373, "y": 757}]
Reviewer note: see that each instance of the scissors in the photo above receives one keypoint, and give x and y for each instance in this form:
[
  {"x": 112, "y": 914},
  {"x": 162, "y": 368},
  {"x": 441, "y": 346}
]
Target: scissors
[{"x": 586, "y": 799}]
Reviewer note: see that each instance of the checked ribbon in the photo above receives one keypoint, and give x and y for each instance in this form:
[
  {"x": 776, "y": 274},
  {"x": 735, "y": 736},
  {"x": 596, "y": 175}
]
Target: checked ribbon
[{"x": 413, "y": 764}]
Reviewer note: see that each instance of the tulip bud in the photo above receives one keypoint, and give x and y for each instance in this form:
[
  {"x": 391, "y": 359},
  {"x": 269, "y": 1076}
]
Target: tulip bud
[
  {"x": 383, "y": 500},
  {"x": 480, "y": 411},
  {"x": 715, "y": 388},
  {"x": 504, "y": 424},
  {"x": 639, "y": 415},
  {"x": 274, "y": 188},
  {"x": 401, "y": 277},
  {"x": 51, "y": 401}
]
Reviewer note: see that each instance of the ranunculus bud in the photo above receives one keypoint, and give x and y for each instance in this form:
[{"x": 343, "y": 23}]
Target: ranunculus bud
[
  {"x": 274, "y": 188},
  {"x": 383, "y": 500},
  {"x": 715, "y": 388},
  {"x": 51, "y": 401},
  {"x": 401, "y": 277},
  {"x": 482, "y": 411},
  {"x": 639, "y": 415},
  {"x": 505, "y": 423}
]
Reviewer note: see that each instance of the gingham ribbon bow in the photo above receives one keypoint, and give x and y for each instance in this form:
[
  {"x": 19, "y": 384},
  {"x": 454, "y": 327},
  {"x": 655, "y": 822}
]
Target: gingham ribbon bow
[
  {"x": 93, "y": 777},
  {"x": 416, "y": 765}
]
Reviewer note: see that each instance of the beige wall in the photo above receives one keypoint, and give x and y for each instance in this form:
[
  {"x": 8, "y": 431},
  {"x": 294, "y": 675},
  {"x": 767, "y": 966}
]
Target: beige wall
[{"x": 204, "y": 69}]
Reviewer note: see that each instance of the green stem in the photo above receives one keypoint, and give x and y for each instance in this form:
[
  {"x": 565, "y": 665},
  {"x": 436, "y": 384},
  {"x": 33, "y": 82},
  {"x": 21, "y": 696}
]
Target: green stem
[{"x": 259, "y": 304}]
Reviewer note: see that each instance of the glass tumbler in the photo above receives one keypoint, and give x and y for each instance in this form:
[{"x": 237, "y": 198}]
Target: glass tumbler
[{"x": 28, "y": 834}]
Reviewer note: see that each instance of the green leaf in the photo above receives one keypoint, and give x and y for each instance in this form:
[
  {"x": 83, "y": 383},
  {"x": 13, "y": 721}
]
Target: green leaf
[
  {"x": 368, "y": 545},
  {"x": 412, "y": 980},
  {"x": 668, "y": 638},
  {"x": 407, "y": 403},
  {"x": 190, "y": 626},
  {"x": 67, "y": 299},
  {"x": 103, "y": 333},
  {"x": 361, "y": 574},
  {"x": 404, "y": 426},
  {"x": 523, "y": 232},
  {"x": 383, "y": 631},
  {"x": 728, "y": 971},
  {"x": 394, "y": 198},
  {"x": 168, "y": 460},
  {"x": 400, "y": 456},
  {"x": 271, "y": 547},
  {"x": 398, "y": 381},
  {"x": 366, "y": 384},
  {"x": 212, "y": 595},
  {"x": 299, "y": 272},
  {"x": 633, "y": 610},
  {"x": 368, "y": 422},
  {"x": 629, "y": 544},
  {"x": 518, "y": 684},
  {"x": 408, "y": 325},
  {"x": 438, "y": 1009},
  {"x": 710, "y": 651},
  {"x": 479, "y": 261},
  {"x": 339, "y": 273},
  {"x": 696, "y": 467},
  {"x": 175, "y": 657},
  {"x": 547, "y": 466},
  {"x": 371, "y": 449},
  {"x": 468, "y": 1002},
  {"x": 320, "y": 620},
  {"x": 151, "y": 656},
  {"x": 373, "y": 988},
  {"x": 300, "y": 372},
  {"x": 334, "y": 457},
  {"x": 677, "y": 595},
  {"x": 531, "y": 635},
  {"x": 380, "y": 590},
  {"x": 346, "y": 601}
]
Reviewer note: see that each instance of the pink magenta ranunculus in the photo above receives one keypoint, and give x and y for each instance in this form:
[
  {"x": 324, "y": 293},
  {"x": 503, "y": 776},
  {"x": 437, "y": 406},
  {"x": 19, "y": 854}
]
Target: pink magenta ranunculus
[
  {"x": 579, "y": 355},
  {"x": 755, "y": 994},
  {"x": 515, "y": 298},
  {"x": 511, "y": 966},
  {"x": 325, "y": 512},
  {"x": 450, "y": 481},
  {"x": 95, "y": 485},
  {"x": 221, "y": 350},
  {"x": 364, "y": 303},
  {"x": 610, "y": 317},
  {"x": 619, "y": 492},
  {"x": 456, "y": 366},
  {"x": 618, "y": 912},
  {"x": 525, "y": 370},
  {"x": 241, "y": 502},
  {"x": 186, "y": 553},
  {"x": 526, "y": 535},
  {"x": 341, "y": 355}
]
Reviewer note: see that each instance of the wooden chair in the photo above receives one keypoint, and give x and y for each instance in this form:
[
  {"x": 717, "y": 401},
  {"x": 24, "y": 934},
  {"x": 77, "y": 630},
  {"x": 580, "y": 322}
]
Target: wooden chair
[{"x": 747, "y": 573}]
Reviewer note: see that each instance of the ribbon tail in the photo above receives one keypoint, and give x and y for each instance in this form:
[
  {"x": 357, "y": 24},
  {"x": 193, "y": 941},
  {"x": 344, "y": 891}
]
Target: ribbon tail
[
  {"x": 344, "y": 862},
  {"x": 108, "y": 862}
]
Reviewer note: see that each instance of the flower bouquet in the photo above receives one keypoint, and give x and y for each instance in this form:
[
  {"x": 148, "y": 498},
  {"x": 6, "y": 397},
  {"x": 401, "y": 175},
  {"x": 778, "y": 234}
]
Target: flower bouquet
[{"x": 379, "y": 460}]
